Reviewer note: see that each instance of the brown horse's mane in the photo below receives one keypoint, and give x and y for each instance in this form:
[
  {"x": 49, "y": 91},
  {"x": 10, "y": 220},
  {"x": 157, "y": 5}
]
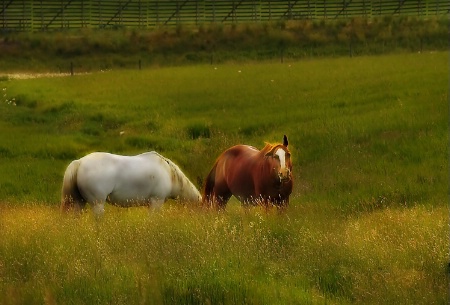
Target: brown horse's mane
[{"x": 270, "y": 148}]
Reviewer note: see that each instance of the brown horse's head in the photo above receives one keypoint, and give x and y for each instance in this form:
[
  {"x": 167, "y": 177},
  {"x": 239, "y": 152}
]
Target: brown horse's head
[{"x": 281, "y": 159}]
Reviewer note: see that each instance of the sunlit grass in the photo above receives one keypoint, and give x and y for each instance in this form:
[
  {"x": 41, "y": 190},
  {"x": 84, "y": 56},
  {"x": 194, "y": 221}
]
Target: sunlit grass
[{"x": 186, "y": 255}]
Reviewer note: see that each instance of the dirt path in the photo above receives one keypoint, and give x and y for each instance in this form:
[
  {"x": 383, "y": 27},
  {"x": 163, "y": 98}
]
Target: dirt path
[{"x": 36, "y": 75}]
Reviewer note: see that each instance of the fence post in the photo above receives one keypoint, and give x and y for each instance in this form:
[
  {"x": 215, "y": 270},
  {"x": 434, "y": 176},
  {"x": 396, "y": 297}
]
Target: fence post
[
  {"x": 281, "y": 46},
  {"x": 31, "y": 16},
  {"x": 71, "y": 68},
  {"x": 62, "y": 14},
  {"x": 212, "y": 53},
  {"x": 23, "y": 21},
  {"x": 351, "y": 47}
]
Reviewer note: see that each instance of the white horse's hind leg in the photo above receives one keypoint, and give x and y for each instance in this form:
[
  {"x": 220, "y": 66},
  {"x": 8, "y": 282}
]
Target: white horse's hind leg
[{"x": 97, "y": 200}]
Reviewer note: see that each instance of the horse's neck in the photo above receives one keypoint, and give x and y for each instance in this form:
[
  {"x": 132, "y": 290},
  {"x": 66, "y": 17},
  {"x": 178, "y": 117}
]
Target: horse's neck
[
  {"x": 182, "y": 186},
  {"x": 187, "y": 190},
  {"x": 265, "y": 167}
]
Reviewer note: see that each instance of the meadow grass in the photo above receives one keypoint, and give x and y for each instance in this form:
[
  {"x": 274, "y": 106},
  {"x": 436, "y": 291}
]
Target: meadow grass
[
  {"x": 364, "y": 131},
  {"x": 368, "y": 217},
  {"x": 182, "y": 255}
]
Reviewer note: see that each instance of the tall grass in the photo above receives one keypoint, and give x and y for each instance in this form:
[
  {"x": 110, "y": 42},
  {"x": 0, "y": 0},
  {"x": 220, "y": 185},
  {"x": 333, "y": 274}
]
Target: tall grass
[{"x": 186, "y": 256}]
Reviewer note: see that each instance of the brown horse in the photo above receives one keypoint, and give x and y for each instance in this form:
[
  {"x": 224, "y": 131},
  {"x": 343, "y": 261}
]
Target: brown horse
[{"x": 251, "y": 175}]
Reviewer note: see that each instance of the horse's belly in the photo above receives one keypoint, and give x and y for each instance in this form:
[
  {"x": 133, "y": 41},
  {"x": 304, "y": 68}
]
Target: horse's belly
[
  {"x": 138, "y": 192},
  {"x": 238, "y": 178},
  {"x": 243, "y": 189},
  {"x": 126, "y": 198}
]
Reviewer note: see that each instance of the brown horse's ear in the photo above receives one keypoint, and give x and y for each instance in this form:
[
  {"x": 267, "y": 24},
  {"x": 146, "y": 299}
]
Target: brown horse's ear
[{"x": 285, "y": 141}]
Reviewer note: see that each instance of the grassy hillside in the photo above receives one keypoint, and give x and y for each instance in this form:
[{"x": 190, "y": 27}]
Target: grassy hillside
[{"x": 368, "y": 219}]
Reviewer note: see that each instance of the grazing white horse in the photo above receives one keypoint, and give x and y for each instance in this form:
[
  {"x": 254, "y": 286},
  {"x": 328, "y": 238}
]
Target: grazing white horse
[{"x": 146, "y": 179}]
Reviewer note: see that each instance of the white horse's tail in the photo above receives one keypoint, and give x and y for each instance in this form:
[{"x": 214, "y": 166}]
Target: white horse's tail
[{"x": 70, "y": 195}]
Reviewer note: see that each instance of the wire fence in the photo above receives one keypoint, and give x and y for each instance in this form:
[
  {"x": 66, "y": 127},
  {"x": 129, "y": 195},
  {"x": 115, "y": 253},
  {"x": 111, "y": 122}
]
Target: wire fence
[{"x": 31, "y": 15}]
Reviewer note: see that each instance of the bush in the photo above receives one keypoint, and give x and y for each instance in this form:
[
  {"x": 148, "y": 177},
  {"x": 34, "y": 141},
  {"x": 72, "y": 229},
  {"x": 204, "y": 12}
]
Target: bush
[
  {"x": 198, "y": 130},
  {"x": 182, "y": 44}
]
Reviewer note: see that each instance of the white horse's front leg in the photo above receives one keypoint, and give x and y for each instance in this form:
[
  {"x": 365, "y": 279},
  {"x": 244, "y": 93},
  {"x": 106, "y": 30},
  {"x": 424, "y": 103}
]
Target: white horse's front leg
[
  {"x": 99, "y": 209},
  {"x": 156, "y": 204}
]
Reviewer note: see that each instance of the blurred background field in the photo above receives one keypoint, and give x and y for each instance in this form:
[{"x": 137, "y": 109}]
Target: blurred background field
[{"x": 93, "y": 48}]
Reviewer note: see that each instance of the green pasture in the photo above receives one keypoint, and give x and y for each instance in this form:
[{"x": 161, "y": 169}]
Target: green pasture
[
  {"x": 368, "y": 217},
  {"x": 364, "y": 131}
]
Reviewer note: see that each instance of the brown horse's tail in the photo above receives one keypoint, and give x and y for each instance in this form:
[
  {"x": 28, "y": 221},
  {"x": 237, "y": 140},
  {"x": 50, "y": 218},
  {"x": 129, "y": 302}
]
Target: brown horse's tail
[
  {"x": 71, "y": 198},
  {"x": 208, "y": 187}
]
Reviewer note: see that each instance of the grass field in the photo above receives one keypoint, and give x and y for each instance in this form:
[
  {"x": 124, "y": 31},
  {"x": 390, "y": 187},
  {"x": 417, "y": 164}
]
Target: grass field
[{"x": 368, "y": 221}]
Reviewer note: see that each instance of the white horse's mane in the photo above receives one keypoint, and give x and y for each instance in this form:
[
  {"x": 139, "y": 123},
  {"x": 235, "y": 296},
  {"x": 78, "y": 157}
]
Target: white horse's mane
[{"x": 186, "y": 186}]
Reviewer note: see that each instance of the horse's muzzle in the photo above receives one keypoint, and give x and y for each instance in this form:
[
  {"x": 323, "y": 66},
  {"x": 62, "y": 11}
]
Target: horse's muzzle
[{"x": 284, "y": 176}]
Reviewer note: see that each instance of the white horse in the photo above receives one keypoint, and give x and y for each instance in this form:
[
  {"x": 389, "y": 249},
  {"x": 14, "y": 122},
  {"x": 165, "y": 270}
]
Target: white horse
[{"x": 147, "y": 179}]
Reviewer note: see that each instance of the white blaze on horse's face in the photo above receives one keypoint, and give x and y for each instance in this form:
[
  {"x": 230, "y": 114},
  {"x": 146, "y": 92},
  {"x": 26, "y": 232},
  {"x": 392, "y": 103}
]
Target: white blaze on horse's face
[{"x": 284, "y": 172}]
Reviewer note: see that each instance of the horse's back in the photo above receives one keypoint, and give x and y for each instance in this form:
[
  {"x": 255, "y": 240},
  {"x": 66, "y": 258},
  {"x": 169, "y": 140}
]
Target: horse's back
[
  {"x": 239, "y": 156},
  {"x": 110, "y": 163}
]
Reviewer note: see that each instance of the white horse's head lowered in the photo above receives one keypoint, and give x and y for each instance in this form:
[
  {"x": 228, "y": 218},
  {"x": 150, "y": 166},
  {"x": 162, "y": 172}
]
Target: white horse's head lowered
[
  {"x": 182, "y": 187},
  {"x": 146, "y": 179}
]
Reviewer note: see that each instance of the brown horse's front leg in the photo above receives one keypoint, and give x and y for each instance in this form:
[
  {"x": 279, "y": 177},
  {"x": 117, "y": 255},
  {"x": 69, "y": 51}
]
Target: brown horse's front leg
[{"x": 216, "y": 201}]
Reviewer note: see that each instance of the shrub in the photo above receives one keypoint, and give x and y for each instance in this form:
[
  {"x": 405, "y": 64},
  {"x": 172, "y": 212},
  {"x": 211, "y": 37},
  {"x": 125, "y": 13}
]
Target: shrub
[{"x": 198, "y": 130}]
